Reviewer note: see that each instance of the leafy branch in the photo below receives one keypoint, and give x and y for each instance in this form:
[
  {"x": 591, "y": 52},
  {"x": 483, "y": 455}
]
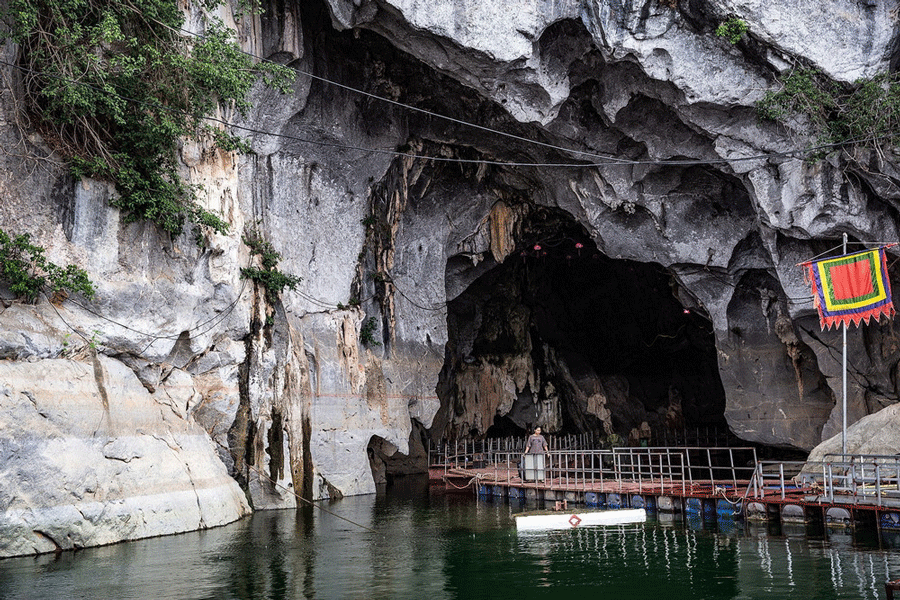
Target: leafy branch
[
  {"x": 367, "y": 332},
  {"x": 27, "y": 272},
  {"x": 114, "y": 86},
  {"x": 865, "y": 113},
  {"x": 732, "y": 29},
  {"x": 273, "y": 280}
]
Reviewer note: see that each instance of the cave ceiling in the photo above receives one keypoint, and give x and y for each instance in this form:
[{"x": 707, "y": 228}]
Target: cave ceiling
[{"x": 669, "y": 230}]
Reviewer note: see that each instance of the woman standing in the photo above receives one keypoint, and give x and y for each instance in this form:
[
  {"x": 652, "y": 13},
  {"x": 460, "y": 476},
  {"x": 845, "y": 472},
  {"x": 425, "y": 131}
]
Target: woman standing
[
  {"x": 532, "y": 465},
  {"x": 536, "y": 444}
]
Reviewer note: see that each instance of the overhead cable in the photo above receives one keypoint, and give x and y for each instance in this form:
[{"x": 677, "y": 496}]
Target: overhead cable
[
  {"x": 607, "y": 158},
  {"x": 608, "y": 161}
]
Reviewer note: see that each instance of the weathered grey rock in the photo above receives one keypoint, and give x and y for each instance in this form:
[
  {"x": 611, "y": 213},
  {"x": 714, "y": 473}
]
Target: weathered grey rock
[
  {"x": 353, "y": 400},
  {"x": 89, "y": 457},
  {"x": 876, "y": 433},
  {"x": 795, "y": 29},
  {"x": 500, "y": 49}
]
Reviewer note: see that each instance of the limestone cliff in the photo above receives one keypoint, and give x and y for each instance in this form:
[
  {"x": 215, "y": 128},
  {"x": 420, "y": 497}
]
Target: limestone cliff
[{"x": 455, "y": 278}]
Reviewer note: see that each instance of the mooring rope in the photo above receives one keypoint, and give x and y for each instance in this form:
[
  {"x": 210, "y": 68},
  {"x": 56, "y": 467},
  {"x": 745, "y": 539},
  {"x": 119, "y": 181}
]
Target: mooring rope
[
  {"x": 475, "y": 477},
  {"x": 450, "y": 483},
  {"x": 295, "y": 494},
  {"x": 737, "y": 506}
]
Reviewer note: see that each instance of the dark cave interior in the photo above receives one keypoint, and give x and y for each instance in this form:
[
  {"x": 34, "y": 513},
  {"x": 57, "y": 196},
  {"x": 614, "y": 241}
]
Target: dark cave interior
[{"x": 590, "y": 323}]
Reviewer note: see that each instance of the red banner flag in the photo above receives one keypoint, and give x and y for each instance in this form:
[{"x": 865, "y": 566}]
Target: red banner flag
[{"x": 854, "y": 287}]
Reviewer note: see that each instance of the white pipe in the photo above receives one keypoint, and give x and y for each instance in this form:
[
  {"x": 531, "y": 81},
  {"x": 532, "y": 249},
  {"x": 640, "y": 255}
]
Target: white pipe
[{"x": 844, "y": 380}]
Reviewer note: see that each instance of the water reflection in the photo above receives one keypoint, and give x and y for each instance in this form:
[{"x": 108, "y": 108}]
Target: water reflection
[{"x": 447, "y": 546}]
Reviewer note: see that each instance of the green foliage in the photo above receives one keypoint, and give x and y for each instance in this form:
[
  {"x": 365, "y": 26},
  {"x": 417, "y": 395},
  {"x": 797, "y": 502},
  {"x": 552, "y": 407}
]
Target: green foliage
[
  {"x": 27, "y": 272},
  {"x": 865, "y": 113},
  {"x": 273, "y": 280},
  {"x": 732, "y": 29},
  {"x": 803, "y": 91},
  {"x": 352, "y": 303},
  {"x": 367, "y": 332},
  {"x": 115, "y": 87},
  {"x": 613, "y": 440},
  {"x": 94, "y": 342}
]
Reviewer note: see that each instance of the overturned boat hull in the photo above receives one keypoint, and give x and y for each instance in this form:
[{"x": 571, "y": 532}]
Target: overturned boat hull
[{"x": 571, "y": 520}]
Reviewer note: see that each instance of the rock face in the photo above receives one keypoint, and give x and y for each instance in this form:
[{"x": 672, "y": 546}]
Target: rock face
[
  {"x": 456, "y": 280},
  {"x": 90, "y": 457},
  {"x": 873, "y": 434}
]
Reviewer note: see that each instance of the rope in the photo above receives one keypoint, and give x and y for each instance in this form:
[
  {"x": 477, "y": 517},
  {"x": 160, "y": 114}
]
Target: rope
[
  {"x": 884, "y": 244},
  {"x": 295, "y": 494},
  {"x": 453, "y": 485},
  {"x": 734, "y": 503},
  {"x": 610, "y": 160}
]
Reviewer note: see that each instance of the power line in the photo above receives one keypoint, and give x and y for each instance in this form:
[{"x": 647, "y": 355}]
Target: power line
[
  {"x": 609, "y": 160},
  {"x": 383, "y": 99},
  {"x": 337, "y": 145},
  {"x": 213, "y": 321},
  {"x": 606, "y": 157}
]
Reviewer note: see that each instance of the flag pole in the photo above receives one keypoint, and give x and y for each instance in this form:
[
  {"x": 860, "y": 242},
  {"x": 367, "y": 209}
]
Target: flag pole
[{"x": 844, "y": 381}]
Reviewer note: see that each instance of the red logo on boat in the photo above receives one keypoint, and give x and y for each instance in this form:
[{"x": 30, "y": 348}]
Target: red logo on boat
[{"x": 574, "y": 520}]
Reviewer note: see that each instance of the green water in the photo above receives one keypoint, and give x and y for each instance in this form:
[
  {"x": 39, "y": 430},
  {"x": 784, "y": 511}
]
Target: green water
[{"x": 444, "y": 546}]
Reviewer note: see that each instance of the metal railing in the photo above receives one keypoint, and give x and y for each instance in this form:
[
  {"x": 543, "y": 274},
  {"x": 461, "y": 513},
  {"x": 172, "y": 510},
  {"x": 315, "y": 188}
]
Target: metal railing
[
  {"x": 463, "y": 453},
  {"x": 718, "y": 466},
  {"x": 778, "y": 476},
  {"x": 867, "y": 479},
  {"x": 585, "y": 469}
]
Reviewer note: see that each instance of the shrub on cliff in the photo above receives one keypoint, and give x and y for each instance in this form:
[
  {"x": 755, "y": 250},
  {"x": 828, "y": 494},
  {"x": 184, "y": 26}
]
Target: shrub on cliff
[
  {"x": 269, "y": 276},
  {"x": 115, "y": 86},
  {"x": 27, "y": 272},
  {"x": 866, "y": 113}
]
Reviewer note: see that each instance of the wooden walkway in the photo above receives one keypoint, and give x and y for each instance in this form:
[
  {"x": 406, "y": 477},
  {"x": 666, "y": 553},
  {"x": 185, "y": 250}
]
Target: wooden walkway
[
  {"x": 704, "y": 497},
  {"x": 842, "y": 490},
  {"x": 470, "y": 479}
]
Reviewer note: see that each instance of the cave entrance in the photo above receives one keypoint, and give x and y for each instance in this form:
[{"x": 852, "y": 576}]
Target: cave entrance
[{"x": 561, "y": 336}]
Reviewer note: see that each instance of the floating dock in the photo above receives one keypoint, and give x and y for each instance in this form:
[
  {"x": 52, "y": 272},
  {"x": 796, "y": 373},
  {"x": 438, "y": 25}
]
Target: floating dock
[{"x": 843, "y": 491}]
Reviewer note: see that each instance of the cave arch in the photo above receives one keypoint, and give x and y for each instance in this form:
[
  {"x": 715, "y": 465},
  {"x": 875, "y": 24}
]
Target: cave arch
[{"x": 560, "y": 335}]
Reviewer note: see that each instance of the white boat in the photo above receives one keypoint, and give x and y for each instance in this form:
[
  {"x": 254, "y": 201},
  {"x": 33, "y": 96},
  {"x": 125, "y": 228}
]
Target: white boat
[{"x": 571, "y": 520}]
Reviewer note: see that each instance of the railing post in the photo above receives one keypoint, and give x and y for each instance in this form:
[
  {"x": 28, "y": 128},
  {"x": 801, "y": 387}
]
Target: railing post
[
  {"x": 660, "y": 473},
  {"x": 760, "y": 488},
  {"x": 829, "y": 483},
  {"x": 878, "y": 483},
  {"x": 640, "y": 474},
  {"x": 733, "y": 469},
  {"x": 690, "y": 474},
  {"x": 577, "y": 470},
  {"x": 781, "y": 477}
]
